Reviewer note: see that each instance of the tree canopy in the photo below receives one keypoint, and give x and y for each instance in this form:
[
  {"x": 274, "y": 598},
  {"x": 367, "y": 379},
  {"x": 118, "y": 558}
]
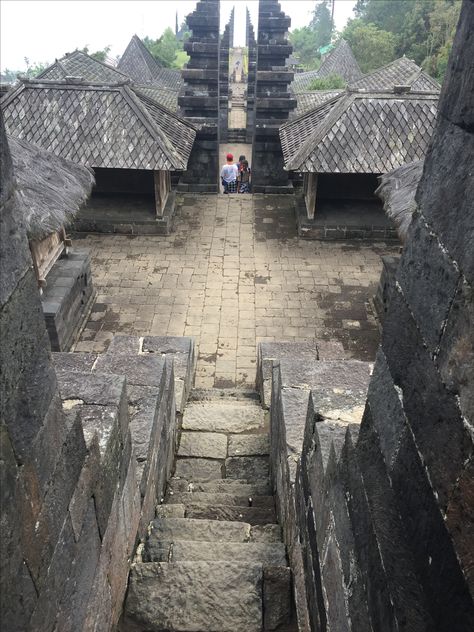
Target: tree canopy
[
  {"x": 168, "y": 49},
  {"x": 309, "y": 39},
  {"x": 423, "y": 30},
  {"x": 331, "y": 82}
]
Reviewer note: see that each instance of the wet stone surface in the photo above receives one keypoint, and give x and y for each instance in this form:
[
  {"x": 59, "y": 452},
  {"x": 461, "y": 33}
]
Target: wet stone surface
[{"x": 233, "y": 274}]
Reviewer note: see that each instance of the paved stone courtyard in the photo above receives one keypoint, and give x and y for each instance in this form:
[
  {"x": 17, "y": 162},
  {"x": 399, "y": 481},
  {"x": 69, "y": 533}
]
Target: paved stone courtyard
[{"x": 233, "y": 273}]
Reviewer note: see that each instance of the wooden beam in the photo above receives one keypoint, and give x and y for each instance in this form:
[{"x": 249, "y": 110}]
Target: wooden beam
[
  {"x": 162, "y": 181},
  {"x": 311, "y": 189}
]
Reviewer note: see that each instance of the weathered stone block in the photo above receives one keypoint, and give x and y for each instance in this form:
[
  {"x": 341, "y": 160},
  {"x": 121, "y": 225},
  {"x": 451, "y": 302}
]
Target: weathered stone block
[
  {"x": 428, "y": 278},
  {"x": 249, "y": 445},
  {"x": 431, "y": 411},
  {"x": 455, "y": 360},
  {"x": 226, "y": 596},
  {"x": 251, "y": 468},
  {"x": 211, "y": 445},
  {"x": 198, "y": 469}
]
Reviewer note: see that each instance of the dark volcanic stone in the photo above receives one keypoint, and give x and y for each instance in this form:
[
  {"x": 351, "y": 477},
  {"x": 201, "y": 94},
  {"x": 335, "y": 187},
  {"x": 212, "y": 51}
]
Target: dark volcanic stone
[
  {"x": 276, "y": 596},
  {"x": 431, "y": 410},
  {"x": 445, "y": 196},
  {"x": 385, "y": 405},
  {"x": 429, "y": 279},
  {"x": 455, "y": 360},
  {"x": 434, "y": 557}
]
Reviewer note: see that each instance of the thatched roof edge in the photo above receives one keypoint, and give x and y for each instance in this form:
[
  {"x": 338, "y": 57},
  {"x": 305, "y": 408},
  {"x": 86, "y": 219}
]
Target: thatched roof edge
[
  {"x": 52, "y": 189},
  {"x": 397, "y": 190}
]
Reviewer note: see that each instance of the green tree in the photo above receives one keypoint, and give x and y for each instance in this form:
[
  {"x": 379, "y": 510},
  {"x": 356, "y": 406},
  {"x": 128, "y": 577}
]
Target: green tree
[
  {"x": 164, "y": 49},
  {"x": 304, "y": 45},
  {"x": 33, "y": 69},
  {"x": 372, "y": 47},
  {"x": 423, "y": 29},
  {"x": 100, "y": 55},
  {"x": 309, "y": 39},
  {"x": 321, "y": 24},
  {"x": 331, "y": 82}
]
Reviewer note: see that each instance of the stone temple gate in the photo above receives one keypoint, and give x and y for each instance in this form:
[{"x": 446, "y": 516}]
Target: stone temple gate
[{"x": 263, "y": 95}]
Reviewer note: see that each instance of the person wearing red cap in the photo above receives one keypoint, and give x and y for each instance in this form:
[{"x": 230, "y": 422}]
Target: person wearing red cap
[{"x": 229, "y": 173}]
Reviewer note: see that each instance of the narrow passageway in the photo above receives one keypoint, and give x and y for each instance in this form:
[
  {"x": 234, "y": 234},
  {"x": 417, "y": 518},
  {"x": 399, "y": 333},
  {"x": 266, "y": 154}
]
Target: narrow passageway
[{"x": 233, "y": 273}]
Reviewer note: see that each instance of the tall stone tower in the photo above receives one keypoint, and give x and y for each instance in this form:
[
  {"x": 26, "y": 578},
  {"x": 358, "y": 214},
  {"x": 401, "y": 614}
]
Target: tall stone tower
[
  {"x": 199, "y": 97},
  {"x": 227, "y": 41},
  {"x": 251, "y": 44},
  {"x": 273, "y": 100}
]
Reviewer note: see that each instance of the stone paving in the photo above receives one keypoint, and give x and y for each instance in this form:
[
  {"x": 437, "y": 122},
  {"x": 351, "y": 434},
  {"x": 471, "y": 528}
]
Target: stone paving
[{"x": 233, "y": 273}]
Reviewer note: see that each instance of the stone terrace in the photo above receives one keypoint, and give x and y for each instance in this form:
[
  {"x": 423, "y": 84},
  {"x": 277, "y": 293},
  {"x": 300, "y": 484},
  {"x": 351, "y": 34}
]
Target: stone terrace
[{"x": 234, "y": 273}]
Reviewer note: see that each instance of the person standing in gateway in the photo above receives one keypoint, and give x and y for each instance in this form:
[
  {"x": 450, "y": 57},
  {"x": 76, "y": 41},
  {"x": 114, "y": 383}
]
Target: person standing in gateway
[{"x": 229, "y": 173}]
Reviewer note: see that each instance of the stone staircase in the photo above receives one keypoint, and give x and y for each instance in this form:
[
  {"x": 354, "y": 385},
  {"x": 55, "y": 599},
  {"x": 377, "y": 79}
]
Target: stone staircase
[{"x": 213, "y": 559}]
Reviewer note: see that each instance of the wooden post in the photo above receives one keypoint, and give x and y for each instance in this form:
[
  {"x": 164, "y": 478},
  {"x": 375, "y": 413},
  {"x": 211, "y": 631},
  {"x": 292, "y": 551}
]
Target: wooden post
[
  {"x": 310, "y": 189},
  {"x": 162, "y": 181}
]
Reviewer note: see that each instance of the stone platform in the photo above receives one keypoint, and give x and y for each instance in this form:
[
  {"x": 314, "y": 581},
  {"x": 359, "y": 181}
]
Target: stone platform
[
  {"x": 125, "y": 215},
  {"x": 335, "y": 220},
  {"x": 67, "y": 298}
]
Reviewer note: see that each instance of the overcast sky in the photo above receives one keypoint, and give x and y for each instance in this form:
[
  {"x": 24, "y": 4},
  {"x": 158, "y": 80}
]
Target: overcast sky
[{"x": 44, "y": 30}]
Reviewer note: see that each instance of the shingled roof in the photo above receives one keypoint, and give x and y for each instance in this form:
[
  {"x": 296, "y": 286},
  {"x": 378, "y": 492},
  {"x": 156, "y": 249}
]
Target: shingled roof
[
  {"x": 339, "y": 61},
  {"x": 139, "y": 64},
  {"x": 98, "y": 125},
  {"x": 164, "y": 96},
  {"x": 309, "y": 100},
  {"x": 359, "y": 132},
  {"x": 402, "y": 71},
  {"x": 78, "y": 64}
]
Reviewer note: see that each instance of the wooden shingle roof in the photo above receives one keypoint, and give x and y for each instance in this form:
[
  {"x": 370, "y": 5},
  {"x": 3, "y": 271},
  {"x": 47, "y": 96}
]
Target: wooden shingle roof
[
  {"x": 309, "y": 100},
  {"x": 78, "y": 64},
  {"x": 98, "y": 125},
  {"x": 339, "y": 61},
  {"x": 359, "y": 132},
  {"x": 402, "y": 71},
  {"x": 139, "y": 64},
  {"x": 164, "y": 96}
]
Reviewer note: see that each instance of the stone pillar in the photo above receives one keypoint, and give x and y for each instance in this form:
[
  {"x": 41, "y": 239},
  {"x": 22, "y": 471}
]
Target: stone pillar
[
  {"x": 226, "y": 43},
  {"x": 251, "y": 44},
  {"x": 273, "y": 99},
  {"x": 199, "y": 97}
]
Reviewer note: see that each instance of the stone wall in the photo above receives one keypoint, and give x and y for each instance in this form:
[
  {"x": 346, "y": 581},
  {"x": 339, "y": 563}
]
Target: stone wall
[
  {"x": 383, "y": 510},
  {"x": 86, "y": 447}
]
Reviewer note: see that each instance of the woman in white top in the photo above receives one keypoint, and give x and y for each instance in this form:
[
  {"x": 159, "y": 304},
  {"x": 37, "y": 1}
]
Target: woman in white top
[{"x": 229, "y": 173}]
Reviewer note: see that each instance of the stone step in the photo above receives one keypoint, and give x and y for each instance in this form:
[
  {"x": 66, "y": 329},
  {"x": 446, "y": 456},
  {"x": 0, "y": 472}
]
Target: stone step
[
  {"x": 250, "y": 468},
  {"x": 187, "y": 498},
  {"x": 252, "y": 515},
  {"x": 249, "y": 445},
  {"x": 210, "y": 445},
  {"x": 270, "y": 553},
  {"x": 172, "y": 529},
  {"x": 236, "y": 487},
  {"x": 266, "y": 533},
  {"x": 195, "y": 469},
  {"x": 223, "y": 417},
  {"x": 196, "y": 597}
]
